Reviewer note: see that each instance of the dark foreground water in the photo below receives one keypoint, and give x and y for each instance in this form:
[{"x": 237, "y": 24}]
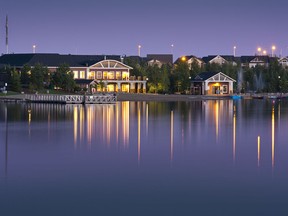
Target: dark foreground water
[{"x": 138, "y": 158}]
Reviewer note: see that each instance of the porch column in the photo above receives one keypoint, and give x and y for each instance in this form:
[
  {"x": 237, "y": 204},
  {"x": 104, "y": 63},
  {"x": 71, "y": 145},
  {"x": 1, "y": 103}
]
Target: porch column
[
  {"x": 230, "y": 87},
  {"x": 132, "y": 88},
  {"x": 144, "y": 87},
  {"x": 118, "y": 87},
  {"x": 138, "y": 87},
  {"x": 105, "y": 86},
  {"x": 87, "y": 72}
]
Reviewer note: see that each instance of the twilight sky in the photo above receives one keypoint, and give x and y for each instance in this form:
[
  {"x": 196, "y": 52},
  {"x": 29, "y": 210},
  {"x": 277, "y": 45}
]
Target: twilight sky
[{"x": 200, "y": 28}]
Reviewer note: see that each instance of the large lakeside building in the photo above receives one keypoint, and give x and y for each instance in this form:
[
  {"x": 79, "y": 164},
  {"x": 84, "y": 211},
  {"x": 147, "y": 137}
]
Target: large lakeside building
[{"x": 88, "y": 70}]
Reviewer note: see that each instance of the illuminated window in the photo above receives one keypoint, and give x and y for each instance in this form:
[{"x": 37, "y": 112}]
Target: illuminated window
[
  {"x": 105, "y": 74},
  {"x": 125, "y": 88},
  {"x": 99, "y": 75},
  {"x": 91, "y": 75},
  {"x": 118, "y": 75},
  {"x": 111, "y": 88},
  {"x": 75, "y": 73},
  {"x": 125, "y": 75},
  {"x": 82, "y": 74},
  {"x": 111, "y": 75}
]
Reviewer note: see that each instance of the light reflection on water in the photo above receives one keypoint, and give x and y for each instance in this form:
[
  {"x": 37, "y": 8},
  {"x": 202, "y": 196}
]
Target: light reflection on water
[{"x": 199, "y": 151}]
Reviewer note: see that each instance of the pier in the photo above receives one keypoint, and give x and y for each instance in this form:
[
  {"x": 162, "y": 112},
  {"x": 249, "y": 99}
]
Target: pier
[{"x": 63, "y": 99}]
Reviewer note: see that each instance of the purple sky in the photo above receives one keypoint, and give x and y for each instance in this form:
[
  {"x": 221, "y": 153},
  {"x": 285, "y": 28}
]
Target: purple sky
[{"x": 117, "y": 27}]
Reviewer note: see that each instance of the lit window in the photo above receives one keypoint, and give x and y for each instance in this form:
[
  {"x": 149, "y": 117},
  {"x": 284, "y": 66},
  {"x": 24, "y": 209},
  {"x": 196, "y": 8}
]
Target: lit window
[
  {"x": 82, "y": 74},
  {"x": 91, "y": 75},
  {"x": 75, "y": 73},
  {"x": 99, "y": 75},
  {"x": 111, "y": 75},
  {"x": 105, "y": 75},
  {"x": 118, "y": 75}
]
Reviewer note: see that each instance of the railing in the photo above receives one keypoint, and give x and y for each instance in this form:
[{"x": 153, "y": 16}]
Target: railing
[{"x": 72, "y": 99}]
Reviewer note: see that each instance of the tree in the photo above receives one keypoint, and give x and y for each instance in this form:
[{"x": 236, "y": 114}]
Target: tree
[
  {"x": 15, "y": 84},
  {"x": 25, "y": 75},
  {"x": 180, "y": 77},
  {"x": 38, "y": 73},
  {"x": 63, "y": 78}
]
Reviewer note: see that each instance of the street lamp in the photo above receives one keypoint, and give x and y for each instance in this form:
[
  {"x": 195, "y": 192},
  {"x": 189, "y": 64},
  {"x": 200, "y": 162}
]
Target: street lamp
[
  {"x": 273, "y": 49},
  {"x": 234, "y": 51},
  {"x": 264, "y": 52},
  {"x": 172, "y": 46},
  {"x": 183, "y": 58},
  {"x": 139, "y": 50},
  {"x": 259, "y": 49},
  {"x": 34, "y": 48}
]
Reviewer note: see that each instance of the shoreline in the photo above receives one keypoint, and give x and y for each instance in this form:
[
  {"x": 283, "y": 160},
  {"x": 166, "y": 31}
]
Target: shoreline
[
  {"x": 158, "y": 97},
  {"x": 167, "y": 97}
]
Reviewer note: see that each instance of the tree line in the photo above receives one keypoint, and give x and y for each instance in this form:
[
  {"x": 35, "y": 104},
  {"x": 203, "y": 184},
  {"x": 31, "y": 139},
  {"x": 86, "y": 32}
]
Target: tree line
[
  {"x": 177, "y": 77},
  {"x": 38, "y": 78}
]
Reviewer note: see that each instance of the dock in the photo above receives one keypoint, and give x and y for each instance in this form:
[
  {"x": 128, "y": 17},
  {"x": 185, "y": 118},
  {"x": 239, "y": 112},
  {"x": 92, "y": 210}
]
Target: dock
[{"x": 63, "y": 99}]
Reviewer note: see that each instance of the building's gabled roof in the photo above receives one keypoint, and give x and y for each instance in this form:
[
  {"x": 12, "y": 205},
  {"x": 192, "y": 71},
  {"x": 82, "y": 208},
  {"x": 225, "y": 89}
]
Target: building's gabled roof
[
  {"x": 110, "y": 64},
  {"x": 283, "y": 59},
  {"x": 188, "y": 57},
  {"x": 204, "y": 76},
  {"x": 53, "y": 60},
  {"x": 228, "y": 58},
  {"x": 212, "y": 75},
  {"x": 163, "y": 58}
]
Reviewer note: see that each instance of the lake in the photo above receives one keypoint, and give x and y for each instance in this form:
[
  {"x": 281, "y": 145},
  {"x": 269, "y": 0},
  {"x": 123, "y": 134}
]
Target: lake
[{"x": 210, "y": 157}]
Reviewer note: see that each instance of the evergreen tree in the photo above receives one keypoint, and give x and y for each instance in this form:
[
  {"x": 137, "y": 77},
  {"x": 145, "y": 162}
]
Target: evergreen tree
[
  {"x": 25, "y": 76},
  {"x": 63, "y": 78},
  {"x": 15, "y": 84},
  {"x": 38, "y": 73}
]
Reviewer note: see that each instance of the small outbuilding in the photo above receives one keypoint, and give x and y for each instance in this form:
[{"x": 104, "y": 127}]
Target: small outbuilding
[{"x": 212, "y": 83}]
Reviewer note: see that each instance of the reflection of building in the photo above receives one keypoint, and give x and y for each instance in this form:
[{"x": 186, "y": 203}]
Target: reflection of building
[
  {"x": 109, "y": 73},
  {"x": 212, "y": 83}
]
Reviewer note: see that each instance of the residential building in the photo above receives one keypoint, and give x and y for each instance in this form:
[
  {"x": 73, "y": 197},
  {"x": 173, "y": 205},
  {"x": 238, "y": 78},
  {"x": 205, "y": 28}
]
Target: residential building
[
  {"x": 220, "y": 59},
  {"x": 88, "y": 70},
  {"x": 159, "y": 59},
  {"x": 212, "y": 83},
  {"x": 190, "y": 59}
]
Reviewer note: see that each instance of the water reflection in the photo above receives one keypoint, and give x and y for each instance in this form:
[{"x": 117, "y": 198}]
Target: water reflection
[
  {"x": 234, "y": 133},
  {"x": 139, "y": 134},
  {"x": 171, "y": 135},
  {"x": 258, "y": 150},
  {"x": 273, "y": 137},
  {"x": 178, "y": 126}
]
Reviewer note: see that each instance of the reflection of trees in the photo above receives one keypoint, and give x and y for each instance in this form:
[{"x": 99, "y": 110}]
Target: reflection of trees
[{"x": 38, "y": 111}]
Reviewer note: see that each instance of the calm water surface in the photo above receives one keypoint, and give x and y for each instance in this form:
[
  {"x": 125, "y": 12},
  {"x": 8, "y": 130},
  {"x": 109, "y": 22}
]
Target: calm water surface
[{"x": 145, "y": 158}]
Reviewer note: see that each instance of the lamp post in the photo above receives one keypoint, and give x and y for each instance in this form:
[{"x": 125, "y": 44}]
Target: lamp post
[
  {"x": 273, "y": 49},
  {"x": 264, "y": 52},
  {"x": 34, "y": 48},
  {"x": 139, "y": 50},
  {"x": 172, "y": 46},
  {"x": 259, "y": 49},
  {"x": 234, "y": 51}
]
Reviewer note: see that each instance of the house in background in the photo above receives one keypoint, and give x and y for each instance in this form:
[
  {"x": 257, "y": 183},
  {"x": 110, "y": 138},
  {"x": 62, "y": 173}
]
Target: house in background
[
  {"x": 212, "y": 83},
  {"x": 191, "y": 59},
  {"x": 220, "y": 59},
  {"x": 88, "y": 70},
  {"x": 283, "y": 61},
  {"x": 159, "y": 59}
]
